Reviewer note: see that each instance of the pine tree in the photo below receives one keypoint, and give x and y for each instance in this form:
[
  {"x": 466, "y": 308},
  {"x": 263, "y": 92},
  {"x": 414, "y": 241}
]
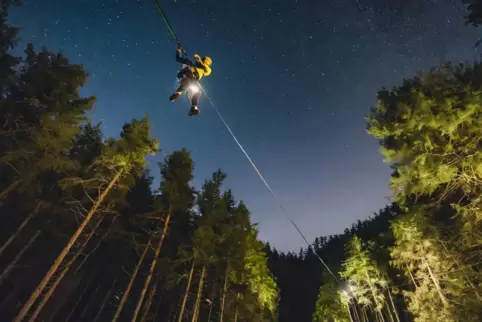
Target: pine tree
[
  {"x": 330, "y": 305},
  {"x": 8, "y": 36},
  {"x": 365, "y": 280},
  {"x": 430, "y": 131},
  {"x": 123, "y": 157},
  {"x": 439, "y": 293},
  {"x": 176, "y": 196}
]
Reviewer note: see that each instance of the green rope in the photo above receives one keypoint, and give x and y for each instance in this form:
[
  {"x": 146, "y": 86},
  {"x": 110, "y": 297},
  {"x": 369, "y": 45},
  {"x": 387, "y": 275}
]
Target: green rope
[{"x": 163, "y": 15}]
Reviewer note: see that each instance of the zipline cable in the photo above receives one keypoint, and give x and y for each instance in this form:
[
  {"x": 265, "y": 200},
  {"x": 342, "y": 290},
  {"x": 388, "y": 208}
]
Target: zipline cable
[
  {"x": 161, "y": 12},
  {"x": 266, "y": 183}
]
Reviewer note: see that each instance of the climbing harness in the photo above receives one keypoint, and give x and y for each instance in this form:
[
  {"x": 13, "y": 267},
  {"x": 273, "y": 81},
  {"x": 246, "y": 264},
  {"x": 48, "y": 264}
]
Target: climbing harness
[{"x": 171, "y": 30}]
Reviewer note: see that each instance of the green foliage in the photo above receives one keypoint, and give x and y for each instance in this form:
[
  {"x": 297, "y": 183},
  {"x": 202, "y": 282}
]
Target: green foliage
[
  {"x": 439, "y": 288},
  {"x": 176, "y": 175},
  {"x": 429, "y": 129},
  {"x": 128, "y": 153},
  {"x": 364, "y": 277},
  {"x": 330, "y": 305},
  {"x": 40, "y": 117},
  {"x": 258, "y": 277}
]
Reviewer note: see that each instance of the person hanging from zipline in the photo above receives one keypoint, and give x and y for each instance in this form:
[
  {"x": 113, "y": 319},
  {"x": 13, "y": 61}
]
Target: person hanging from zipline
[{"x": 188, "y": 77}]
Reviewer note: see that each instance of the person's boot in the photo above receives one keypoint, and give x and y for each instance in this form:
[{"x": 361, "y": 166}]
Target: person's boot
[
  {"x": 194, "y": 111},
  {"x": 174, "y": 96}
]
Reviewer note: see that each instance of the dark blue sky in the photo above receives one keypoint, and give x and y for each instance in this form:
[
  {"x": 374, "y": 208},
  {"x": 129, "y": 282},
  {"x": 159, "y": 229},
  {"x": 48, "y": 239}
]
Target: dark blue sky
[{"x": 293, "y": 78}]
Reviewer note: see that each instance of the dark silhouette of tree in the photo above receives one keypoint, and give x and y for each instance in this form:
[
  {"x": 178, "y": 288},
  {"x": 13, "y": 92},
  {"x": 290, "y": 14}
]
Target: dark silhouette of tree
[{"x": 474, "y": 8}]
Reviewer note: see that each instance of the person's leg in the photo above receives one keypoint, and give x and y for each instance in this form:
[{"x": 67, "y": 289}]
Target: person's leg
[
  {"x": 194, "y": 101},
  {"x": 182, "y": 87}
]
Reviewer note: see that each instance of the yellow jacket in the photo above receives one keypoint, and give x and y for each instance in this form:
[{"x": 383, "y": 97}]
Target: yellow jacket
[{"x": 200, "y": 67}]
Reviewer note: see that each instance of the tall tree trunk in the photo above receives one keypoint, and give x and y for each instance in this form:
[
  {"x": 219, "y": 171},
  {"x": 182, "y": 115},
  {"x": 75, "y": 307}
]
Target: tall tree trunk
[
  {"x": 188, "y": 286},
  {"x": 153, "y": 266},
  {"x": 17, "y": 258},
  {"x": 393, "y": 305},
  {"x": 199, "y": 294},
  {"x": 150, "y": 297},
  {"x": 390, "y": 316},
  {"x": 6, "y": 191},
  {"x": 64, "y": 271},
  {"x": 223, "y": 298},
  {"x": 411, "y": 276},
  {"x": 36, "y": 293},
  {"x": 88, "y": 303},
  {"x": 148, "y": 305},
  {"x": 77, "y": 302},
  {"x": 365, "y": 314},
  {"x": 210, "y": 310},
  {"x": 355, "y": 310},
  {"x": 236, "y": 310},
  {"x": 104, "y": 301},
  {"x": 437, "y": 285},
  {"x": 349, "y": 312},
  {"x": 19, "y": 229},
  {"x": 96, "y": 246},
  {"x": 131, "y": 282},
  {"x": 374, "y": 298},
  {"x": 68, "y": 289},
  {"x": 156, "y": 310}
]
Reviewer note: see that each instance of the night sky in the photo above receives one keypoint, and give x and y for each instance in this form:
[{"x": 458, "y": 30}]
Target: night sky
[{"x": 293, "y": 78}]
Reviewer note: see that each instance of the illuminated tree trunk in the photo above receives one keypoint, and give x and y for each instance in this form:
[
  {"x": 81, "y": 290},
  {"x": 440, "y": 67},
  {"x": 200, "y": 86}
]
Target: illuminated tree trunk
[
  {"x": 153, "y": 266},
  {"x": 19, "y": 229},
  {"x": 393, "y": 305},
  {"x": 11, "y": 266},
  {"x": 223, "y": 298},
  {"x": 210, "y": 311},
  {"x": 131, "y": 282},
  {"x": 36, "y": 293},
  {"x": 199, "y": 294},
  {"x": 236, "y": 310},
  {"x": 188, "y": 286},
  {"x": 355, "y": 310},
  {"x": 378, "y": 312},
  {"x": 365, "y": 314},
  {"x": 349, "y": 312},
  {"x": 390, "y": 316},
  {"x": 437, "y": 285},
  {"x": 148, "y": 305},
  {"x": 64, "y": 271},
  {"x": 411, "y": 277}
]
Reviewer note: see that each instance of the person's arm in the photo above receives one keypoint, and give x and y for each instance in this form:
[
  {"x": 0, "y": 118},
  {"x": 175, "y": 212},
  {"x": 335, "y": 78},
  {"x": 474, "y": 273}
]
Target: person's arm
[
  {"x": 206, "y": 68},
  {"x": 182, "y": 59}
]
